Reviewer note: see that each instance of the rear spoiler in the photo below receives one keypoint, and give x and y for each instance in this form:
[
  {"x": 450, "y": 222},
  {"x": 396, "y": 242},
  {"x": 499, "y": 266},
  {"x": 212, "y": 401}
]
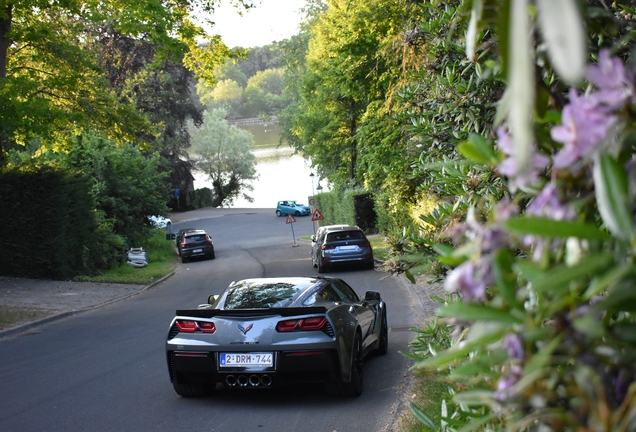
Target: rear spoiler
[{"x": 291, "y": 311}]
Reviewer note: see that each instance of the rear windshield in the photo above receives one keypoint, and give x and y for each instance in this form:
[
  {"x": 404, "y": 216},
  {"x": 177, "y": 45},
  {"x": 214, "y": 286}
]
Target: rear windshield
[
  {"x": 345, "y": 235},
  {"x": 195, "y": 238},
  {"x": 257, "y": 294}
]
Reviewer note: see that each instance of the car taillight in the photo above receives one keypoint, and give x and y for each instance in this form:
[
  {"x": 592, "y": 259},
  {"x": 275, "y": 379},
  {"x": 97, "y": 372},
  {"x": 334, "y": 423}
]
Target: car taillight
[
  {"x": 188, "y": 326},
  {"x": 365, "y": 244},
  {"x": 185, "y": 326},
  {"x": 207, "y": 239},
  {"x": 183, "y": 242},
  {"x": 315, "y": 323},
  {"x": 323, "y": 247},
  {"x": 305, "y": 324}
]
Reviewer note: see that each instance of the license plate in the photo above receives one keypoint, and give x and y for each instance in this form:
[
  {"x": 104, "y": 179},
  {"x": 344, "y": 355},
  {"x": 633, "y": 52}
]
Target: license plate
[
  {"x": 348, "y": 247},
  {"x": 197, "y": 251},
  {"x": 246, "y": 359}
]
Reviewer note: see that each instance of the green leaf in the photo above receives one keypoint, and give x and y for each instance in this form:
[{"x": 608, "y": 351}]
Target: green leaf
[
  {"x": 610, "y": 278},
  {"x": 474, "y": 312},
  {"x": 620, "y": 299},
  {"x": 457, "y": 352},
  {"x": 554, "y": 229},
  {"x": 443, "y": 249},
  {"x": 505, "y": 278},
  {"x": 611, "y": 187},
  {"x": 409, "y": 276},
  {"x": 558, "y": 278},
  {"x": 478, "y": 149},
  {"x": 422, "y": 417},
  {"x": 561, "y": 25},
  {"x": 541, "y": 359}
]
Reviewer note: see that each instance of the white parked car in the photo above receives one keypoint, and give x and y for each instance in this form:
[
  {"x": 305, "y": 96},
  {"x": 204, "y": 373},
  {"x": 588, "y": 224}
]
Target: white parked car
[{"x": 159, "y": 221}]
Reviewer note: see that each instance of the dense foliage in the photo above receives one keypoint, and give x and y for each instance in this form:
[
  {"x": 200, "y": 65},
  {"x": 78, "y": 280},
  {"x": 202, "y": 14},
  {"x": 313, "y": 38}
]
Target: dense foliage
[
  {"x": 49, "y": 226},
  {"x": 536, "y": 232}
]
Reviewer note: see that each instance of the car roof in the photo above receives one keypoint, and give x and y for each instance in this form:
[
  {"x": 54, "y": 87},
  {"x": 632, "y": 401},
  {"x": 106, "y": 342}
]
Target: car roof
[
  {"x": 342, "y": 228},
  {"x": 194, "y": 232}
]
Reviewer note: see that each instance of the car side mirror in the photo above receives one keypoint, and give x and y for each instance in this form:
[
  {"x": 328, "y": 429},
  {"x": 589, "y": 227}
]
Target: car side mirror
[
  {"x": 372, "y": 295},
  {"x": 212, "y": 299}
]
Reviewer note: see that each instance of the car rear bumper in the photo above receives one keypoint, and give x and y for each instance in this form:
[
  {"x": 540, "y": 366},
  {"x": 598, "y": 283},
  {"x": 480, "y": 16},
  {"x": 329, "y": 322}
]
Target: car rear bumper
[
  {"x": 200, "y": 251},
  {"x": 188, "y": 367}
]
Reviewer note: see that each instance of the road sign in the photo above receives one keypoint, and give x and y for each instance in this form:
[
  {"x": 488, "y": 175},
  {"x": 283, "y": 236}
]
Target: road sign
[
  {"x": 317, "y": 215},
  {"x": 311, "y": 201},
  {"x": 290, "y": 219}
]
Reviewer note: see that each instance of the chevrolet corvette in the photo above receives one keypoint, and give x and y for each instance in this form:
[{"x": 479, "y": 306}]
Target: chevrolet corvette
[{"x": 267, "y": 332}]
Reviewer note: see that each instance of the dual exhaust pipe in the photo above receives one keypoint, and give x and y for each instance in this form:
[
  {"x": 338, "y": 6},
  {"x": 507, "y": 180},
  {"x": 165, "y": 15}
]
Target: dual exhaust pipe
[{"x": 253, "y": 380}]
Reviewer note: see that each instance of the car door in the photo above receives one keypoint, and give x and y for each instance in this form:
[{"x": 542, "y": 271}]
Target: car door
[{"x": 364, "y": 314}]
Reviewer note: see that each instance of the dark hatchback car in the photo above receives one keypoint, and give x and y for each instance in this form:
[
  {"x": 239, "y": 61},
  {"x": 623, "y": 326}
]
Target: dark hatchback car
[
  {"x": 195, "y": 244},
  {"x": 341, "y": 245}
]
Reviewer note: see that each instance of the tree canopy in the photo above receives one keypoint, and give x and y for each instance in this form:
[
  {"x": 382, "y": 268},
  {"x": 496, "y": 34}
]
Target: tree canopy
[
  {"x": 51, "y": 84},
  {"x": 224, "y": 153}
]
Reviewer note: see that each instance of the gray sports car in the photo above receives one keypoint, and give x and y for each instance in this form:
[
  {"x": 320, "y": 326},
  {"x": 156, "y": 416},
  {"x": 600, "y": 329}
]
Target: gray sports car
[{"x": 269, "y": 331}]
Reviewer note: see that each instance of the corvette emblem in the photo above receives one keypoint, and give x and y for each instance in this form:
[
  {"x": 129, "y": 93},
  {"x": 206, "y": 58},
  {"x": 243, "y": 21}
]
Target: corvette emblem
[{"x": 245, "y": 329}]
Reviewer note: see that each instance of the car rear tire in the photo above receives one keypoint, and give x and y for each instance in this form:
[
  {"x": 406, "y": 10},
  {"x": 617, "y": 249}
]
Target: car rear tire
[
  {"x": 383, "y": 346},
  {"x": 194, "y": 390},
  {"x": 297, "y": 213},
  {"x": 321, "y": 267},
  {"x": 184, "y": 259},
  {"x": 279, "y": 213},
  {"x": 212, "y": 255},
  {"x": 354, "y": 387}
]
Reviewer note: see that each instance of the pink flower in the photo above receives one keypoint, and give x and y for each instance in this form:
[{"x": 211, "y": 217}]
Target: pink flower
[
  {"x": 519, "y": 177},
  {"x": 583, "y": 126},
  {"x": 513, "y": 346},
  {"x": 609, "y": 75},
  {"x": 463, "y": 280},
  {"x": 546, "y": 204},
  {"x": 506, "y": 383}
]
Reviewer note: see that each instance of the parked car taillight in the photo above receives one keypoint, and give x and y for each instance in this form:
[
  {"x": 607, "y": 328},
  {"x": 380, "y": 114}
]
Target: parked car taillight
[
  {"x": 188, "y": 326},
  {"x": 183, "y": 242},
  {"x": 208, "y": 239},
  {"x": 323, "y": 247},
  {"x": 305, "y": 324}
]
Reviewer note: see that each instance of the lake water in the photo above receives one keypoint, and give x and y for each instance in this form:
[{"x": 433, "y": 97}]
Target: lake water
[{"x": 282, "y": 175}]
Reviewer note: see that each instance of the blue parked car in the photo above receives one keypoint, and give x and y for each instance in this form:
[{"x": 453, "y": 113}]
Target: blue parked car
[{"x": 292, "y": 207}]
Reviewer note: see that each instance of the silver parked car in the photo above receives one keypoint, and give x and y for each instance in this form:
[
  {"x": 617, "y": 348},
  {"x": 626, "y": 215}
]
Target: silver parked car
[
  {"x": 340, "y": 244},
  {"x": 270, "y": 331}
]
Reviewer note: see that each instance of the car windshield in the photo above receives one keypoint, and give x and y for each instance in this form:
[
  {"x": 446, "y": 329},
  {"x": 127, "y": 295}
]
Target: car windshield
[
  {"x": 195, "y": 238},
  {"x": 257, "y": 294}
]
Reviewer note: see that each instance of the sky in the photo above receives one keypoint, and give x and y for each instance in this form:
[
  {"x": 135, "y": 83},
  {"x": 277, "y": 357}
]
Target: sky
[{"x": 270, "y": 20}]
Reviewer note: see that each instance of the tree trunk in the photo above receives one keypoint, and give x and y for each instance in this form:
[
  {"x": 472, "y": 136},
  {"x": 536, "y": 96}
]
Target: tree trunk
[{"x": 5, "y": 42}]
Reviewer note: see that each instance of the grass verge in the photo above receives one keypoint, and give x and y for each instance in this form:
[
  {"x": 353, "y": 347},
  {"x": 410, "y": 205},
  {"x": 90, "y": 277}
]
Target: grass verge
[
  {"x": 427, "y": 394},
  {"x": 161, "y": 261},
  {"x": 15, "y": 316}
]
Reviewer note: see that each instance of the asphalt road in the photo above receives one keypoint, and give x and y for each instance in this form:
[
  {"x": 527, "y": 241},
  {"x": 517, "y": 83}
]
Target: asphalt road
[{"x": 105, "y": 369}]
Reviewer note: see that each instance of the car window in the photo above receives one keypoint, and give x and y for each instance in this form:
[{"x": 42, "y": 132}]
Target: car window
[
  {"x": 345, "y": 235},
  {"x": 345, "y": 292},
  {"x": 195, "y": 238},
  {"x": 326, "y": 293}
]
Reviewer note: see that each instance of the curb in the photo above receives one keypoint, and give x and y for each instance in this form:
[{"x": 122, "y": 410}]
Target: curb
[{"x": 21, "y": 328}]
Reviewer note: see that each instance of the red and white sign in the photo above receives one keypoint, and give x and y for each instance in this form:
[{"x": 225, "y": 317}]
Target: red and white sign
[
  {"x": 290, "y": 219},
  {"x": 317, "y": 215}
]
